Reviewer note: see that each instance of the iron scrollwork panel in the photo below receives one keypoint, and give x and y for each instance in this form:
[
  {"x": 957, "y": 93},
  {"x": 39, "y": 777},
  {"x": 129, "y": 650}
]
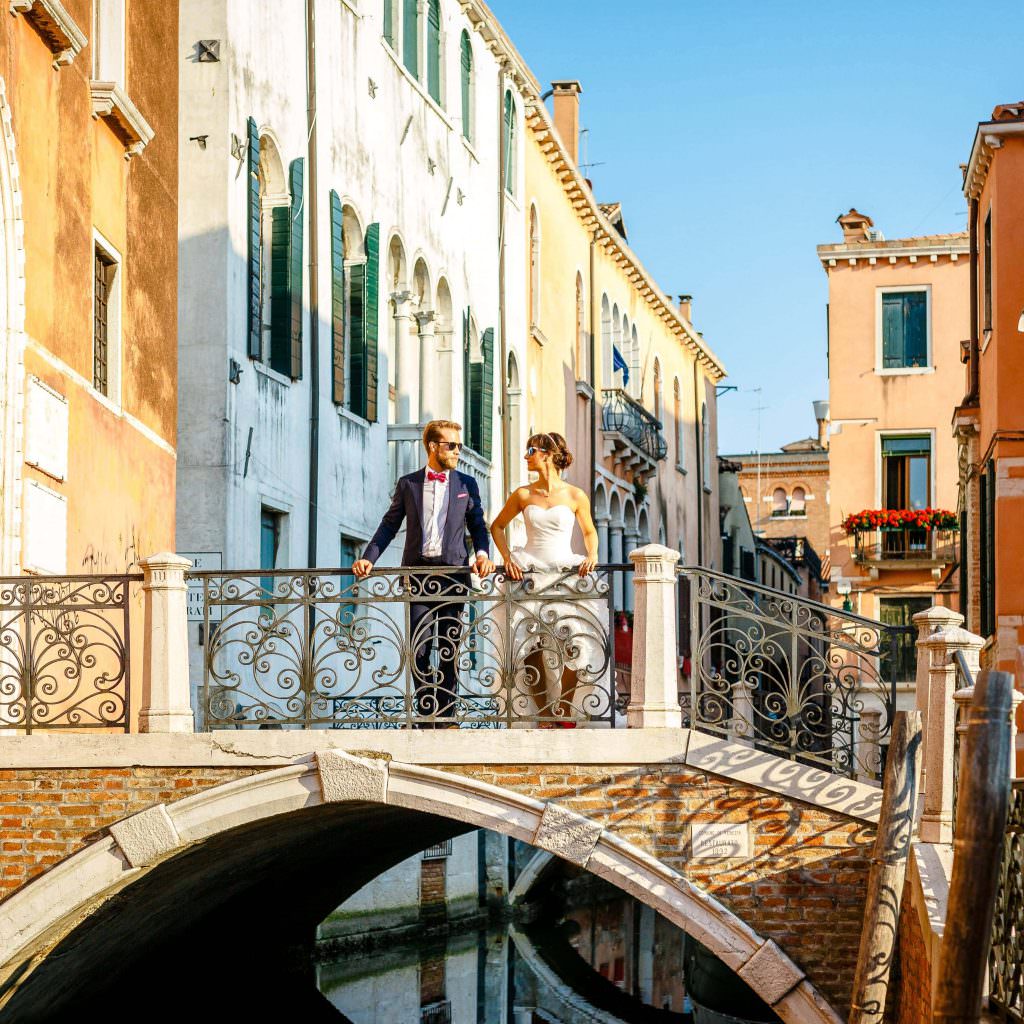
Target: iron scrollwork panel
[
  {"x": 1006, "y": 956},
  {"x": 65, "y": 652},
  {"x": 404, "y": 647}
]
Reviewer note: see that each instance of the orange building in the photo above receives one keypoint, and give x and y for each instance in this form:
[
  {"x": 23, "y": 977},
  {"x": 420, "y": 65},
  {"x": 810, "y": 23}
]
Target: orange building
[
  {"x": 989, "y": 422},
  {"x": 896, "y": 315},
  {"x": 88, "y": 191}
]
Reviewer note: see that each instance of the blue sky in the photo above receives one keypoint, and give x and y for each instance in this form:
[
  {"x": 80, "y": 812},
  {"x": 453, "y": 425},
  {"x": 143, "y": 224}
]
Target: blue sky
[{"x": 735, "y": 133}]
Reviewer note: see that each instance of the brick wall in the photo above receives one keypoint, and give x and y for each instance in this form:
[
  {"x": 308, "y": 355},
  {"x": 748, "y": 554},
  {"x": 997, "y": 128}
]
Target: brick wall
[
  {"x": 433, "y": 889},
  {"x": 804, "y": 886},
  {"x": 45, "y": 817},
  {"x": 910, "y": 991}
]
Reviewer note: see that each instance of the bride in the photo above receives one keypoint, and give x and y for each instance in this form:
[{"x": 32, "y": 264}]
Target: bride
[{"x": 558, "y": 640}]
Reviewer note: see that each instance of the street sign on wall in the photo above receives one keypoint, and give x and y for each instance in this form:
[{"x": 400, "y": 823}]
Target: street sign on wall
[{"x": 201, "y": 561}]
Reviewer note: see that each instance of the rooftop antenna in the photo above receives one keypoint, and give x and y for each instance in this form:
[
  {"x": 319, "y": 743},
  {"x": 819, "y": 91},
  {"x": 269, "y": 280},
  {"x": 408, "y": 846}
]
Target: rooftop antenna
[{"x": 585, "y": 164}]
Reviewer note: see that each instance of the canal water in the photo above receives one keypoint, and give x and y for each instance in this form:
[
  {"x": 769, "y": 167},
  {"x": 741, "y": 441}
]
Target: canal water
[{"x": 585, "y": 957}]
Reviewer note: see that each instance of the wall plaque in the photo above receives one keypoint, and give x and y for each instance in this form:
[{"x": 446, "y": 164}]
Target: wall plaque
[{"x": 720, "y": 840}]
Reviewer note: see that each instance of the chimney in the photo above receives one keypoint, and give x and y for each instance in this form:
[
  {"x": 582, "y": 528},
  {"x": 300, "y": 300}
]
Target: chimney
[
  {"x": 855, "y": 226},
  {"x": 686, "y": 306},
  {"x": 821, "y": 415},
  {"x": 566, "y": 104}
]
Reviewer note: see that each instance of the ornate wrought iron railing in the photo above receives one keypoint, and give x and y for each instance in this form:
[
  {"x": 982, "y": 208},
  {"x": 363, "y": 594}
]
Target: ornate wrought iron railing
[
  {"x": 65, "y": 652},
  {"x": 406, "y": 648},
  {"x": 1006, "y": 956},
  {"x": 905, "y": 545},
  {"x": 628, "y": 417},
  {"x": 800, "y": 679}
]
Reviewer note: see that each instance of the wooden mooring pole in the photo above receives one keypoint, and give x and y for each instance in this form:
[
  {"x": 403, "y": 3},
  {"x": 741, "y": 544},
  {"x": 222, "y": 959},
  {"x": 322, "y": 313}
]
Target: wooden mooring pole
[
  {"x": 888, "y": 869},
  {"x": 982, "y": 803}
]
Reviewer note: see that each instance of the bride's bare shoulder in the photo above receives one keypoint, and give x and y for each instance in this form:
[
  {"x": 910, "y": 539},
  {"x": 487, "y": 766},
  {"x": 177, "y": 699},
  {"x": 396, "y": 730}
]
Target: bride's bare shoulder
[
  {"x": 580, "y": 497},
  {"x": 521, "y": 495}
]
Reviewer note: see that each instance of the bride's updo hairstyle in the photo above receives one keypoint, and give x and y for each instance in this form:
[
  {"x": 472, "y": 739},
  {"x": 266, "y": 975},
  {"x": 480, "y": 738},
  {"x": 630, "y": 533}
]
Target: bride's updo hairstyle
[{"x": 554, "y": 444}]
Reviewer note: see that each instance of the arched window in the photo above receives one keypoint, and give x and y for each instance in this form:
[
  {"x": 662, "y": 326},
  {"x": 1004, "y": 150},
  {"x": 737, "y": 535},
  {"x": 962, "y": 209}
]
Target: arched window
[
  {"x": 780, "y": 503},
  {"x": 434, "y": 50},
  {"x": 510, "y": 142},
  {"x": 581, "y": 348},
  {"x": 633, "y": 343},
  {"x": 534, "y": 267},
  {"x": 607, "y": 373},
  {"x": 411, "y": 37},
  {"x": 466, "y": 49},
  {"x": 798, "y": 503},
  {"x": 677, "y": 419},
  {"x": 658, "y": 411}
]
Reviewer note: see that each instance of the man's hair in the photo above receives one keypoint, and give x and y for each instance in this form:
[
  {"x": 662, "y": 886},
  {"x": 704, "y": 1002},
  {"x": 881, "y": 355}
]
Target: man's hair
[{"x": 432, "y": 431}]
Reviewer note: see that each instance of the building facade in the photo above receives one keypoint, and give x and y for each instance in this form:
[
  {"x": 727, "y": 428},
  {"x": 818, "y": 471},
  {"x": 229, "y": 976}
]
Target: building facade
[
  {"x": 88, "y": 192},
  {"x": 612, "y": 362},
  {"x": 896, "y": 315},
  {"x": 989, "y": 421},
  {"x": 350, "y": 265}
]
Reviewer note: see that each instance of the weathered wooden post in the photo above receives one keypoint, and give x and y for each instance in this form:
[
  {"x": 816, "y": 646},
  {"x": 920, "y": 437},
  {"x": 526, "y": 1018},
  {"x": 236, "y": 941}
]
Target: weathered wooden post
[
  {"x": 888, "y": 870},
  {"x": 654, "y": 687},
  {"x": 977, "y": 847}
]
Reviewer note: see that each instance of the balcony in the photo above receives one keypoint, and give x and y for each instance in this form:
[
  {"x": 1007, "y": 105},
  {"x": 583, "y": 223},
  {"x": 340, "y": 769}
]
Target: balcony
[
  {"x": 633, "y": 437},
  {"x": 406, "y": 455},
  {"x": 905, "y": 548}
]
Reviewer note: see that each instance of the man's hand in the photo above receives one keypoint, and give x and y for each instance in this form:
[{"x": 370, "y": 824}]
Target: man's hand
[
  {"x": 483, "y": 566},
  {"x": 362, "y": 568}
]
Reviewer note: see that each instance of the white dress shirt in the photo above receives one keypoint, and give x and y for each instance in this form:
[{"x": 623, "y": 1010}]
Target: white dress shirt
[{"x": 435, "y": 514}]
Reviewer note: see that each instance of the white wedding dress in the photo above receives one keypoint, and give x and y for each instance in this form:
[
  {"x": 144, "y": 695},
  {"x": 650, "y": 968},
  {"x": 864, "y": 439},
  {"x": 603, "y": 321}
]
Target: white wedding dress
[{"x": 554, "y": 625}]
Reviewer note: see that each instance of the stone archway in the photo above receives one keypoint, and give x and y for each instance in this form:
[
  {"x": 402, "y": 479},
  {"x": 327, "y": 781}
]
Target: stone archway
[{"x": 341, "y": 795}]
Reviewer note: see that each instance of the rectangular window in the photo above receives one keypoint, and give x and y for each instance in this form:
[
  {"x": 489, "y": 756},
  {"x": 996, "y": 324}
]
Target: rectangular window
[
  {"x": 987, "y": 561},
  {"x": 270, "y": 548},
  {"x": 351, "y": 549},
  {"x": 906, "y": 471},
  {"x": 104, "y": 270},
  {"x": 904, "y": 330},
  {"x": 988, "y": 271},
  {"x": 899, "y": 660}
]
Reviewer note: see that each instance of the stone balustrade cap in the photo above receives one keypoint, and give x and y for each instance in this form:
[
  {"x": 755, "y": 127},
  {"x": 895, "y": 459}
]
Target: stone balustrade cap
[
  {"x": 652, "y": 552},
  {"x": 937, "y": 614},
  {"x": 952, "y": 636},
  {"x": 165, "y": 558}
]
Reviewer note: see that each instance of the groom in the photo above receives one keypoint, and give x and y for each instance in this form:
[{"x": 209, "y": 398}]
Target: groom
[{"x": 439, "y": 505}]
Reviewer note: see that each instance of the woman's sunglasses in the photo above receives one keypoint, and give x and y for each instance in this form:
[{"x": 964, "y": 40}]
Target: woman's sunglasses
[
  {"x": 533, "y": 451},
  {"x": 449, "y": 446}
]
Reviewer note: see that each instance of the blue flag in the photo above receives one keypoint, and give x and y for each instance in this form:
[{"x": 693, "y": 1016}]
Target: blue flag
[{"x": 618, "y": 363}]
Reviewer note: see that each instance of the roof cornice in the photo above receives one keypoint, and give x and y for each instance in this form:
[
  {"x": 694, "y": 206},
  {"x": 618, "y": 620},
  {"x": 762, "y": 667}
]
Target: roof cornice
[
  {"x": 987, "y": 138},
  {"x": 832, "y": 254},
  {"x": 575, "y": 186}
]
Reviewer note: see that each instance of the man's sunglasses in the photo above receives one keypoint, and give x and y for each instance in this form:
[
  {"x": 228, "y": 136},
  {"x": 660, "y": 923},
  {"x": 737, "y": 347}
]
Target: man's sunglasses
[
  {"x": 449, "y": 446},
  {"x": 533, "y": 451}
]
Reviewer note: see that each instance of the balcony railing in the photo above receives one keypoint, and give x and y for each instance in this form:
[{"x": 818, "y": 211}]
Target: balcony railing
[
  {"x": 406, "y": 455},
  {"x": 622, "y": 415},
  {"x": 909, "y": 546}
]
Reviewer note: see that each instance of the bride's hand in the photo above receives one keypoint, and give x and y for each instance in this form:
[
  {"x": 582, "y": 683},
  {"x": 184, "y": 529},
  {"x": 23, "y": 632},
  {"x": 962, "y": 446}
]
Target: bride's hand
[
  {"x": 587, "y": 566},
  {"x": 513, "y": 570}
]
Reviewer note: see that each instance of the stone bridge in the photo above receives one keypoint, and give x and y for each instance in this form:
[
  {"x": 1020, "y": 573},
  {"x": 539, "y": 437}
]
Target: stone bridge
[{"x": 121, "y": 852}]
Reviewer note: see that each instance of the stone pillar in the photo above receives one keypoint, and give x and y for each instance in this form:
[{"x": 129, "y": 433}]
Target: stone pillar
[
  {"x": 631, "y": 541},
  {"x": 616, "y": 556},
  {"x": 603, "y": 549},
  {"x": 166, "y": 701},
  {"x": 869, "y": 755},
  {"x": 741, "y": 725},
  {"x": 931, "y": 620},
  {"x": 428, "y": 367},
  {"x": 940, "y": 647},
  {"x": 407, "y": 357},
  {"x": 654, "y": 690},
  {"x": 443, "y": 335}
]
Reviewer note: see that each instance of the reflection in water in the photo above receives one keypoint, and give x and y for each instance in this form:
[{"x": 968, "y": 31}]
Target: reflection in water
[{"x": 582, "y": 953}]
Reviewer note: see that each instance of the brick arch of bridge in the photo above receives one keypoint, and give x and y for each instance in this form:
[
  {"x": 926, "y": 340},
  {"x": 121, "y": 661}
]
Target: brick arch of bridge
[{"x": 254, "y": 827}]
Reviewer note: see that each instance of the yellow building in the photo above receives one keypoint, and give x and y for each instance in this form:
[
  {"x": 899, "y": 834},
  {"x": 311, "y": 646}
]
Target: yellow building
[{"x": 612, "y": 363}]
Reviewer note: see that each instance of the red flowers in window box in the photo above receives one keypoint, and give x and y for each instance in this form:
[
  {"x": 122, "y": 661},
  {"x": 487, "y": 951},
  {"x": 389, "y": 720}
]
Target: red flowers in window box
[{"x": 900, "y": 519}]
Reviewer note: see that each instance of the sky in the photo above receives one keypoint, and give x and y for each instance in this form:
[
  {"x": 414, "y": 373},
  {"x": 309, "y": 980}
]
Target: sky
[{"x": 734, "y": 134}]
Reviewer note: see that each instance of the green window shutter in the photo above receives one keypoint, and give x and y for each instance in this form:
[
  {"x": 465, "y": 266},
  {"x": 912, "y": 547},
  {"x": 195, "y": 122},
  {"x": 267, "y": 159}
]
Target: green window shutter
[
  {"x": 509, "y": 142},
  {"x": 434, "y": 50},
  {"x": 337, "y": 301},
  {"x": 253, "y": 239},
  {"x": 411, "y": 37},
  {"x": 295, "y": 254},
  {"x": 467, "y": 78},
  {"x": 389, "y": 22},
  {"x": 370, "y": 317},
  {"x": 286, "y": 281},
  {"x": 892, "y": 331},
  {"x": 915, "y": 328},
  {"x": 487, "y": 393},
  {"x": 467, "y": 391},
  {"x": 357, "y": 338},
  {"x": 280, "y": 297}
]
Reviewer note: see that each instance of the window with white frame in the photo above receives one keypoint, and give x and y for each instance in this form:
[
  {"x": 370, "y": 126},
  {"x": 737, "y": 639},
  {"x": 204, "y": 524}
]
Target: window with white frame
[
  {"x": 106, "y": 320},
  {"x": 904, "y": 329},
  {"x": 108, "y": 31}
]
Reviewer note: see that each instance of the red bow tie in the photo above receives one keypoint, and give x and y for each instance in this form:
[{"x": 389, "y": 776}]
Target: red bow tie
[{"x": 439, "y": 477}]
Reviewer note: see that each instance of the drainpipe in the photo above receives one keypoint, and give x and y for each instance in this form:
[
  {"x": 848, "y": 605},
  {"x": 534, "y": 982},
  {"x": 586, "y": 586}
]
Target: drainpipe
[
  {"x": 973, "y": 368},
  {"x": 314, "y": 295},
  {"x": 506, "y": 427},
  {"x": 593, "y": 368},
  {"x": 699, "y": 461}
]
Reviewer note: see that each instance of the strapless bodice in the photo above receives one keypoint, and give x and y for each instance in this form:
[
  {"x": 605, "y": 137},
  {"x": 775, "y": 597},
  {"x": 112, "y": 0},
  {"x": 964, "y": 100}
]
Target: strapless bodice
[{"x": 549, "y": 538}]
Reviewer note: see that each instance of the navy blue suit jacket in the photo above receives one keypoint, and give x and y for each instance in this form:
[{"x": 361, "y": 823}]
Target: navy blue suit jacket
[{"x": 465, "y": 512}]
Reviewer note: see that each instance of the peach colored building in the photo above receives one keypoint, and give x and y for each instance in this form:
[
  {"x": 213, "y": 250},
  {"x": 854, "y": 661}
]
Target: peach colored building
[
  {"x": 88, "y": 312},
  {"x": 989, "y": 421},
  {"x": 897, "y": 311}
]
